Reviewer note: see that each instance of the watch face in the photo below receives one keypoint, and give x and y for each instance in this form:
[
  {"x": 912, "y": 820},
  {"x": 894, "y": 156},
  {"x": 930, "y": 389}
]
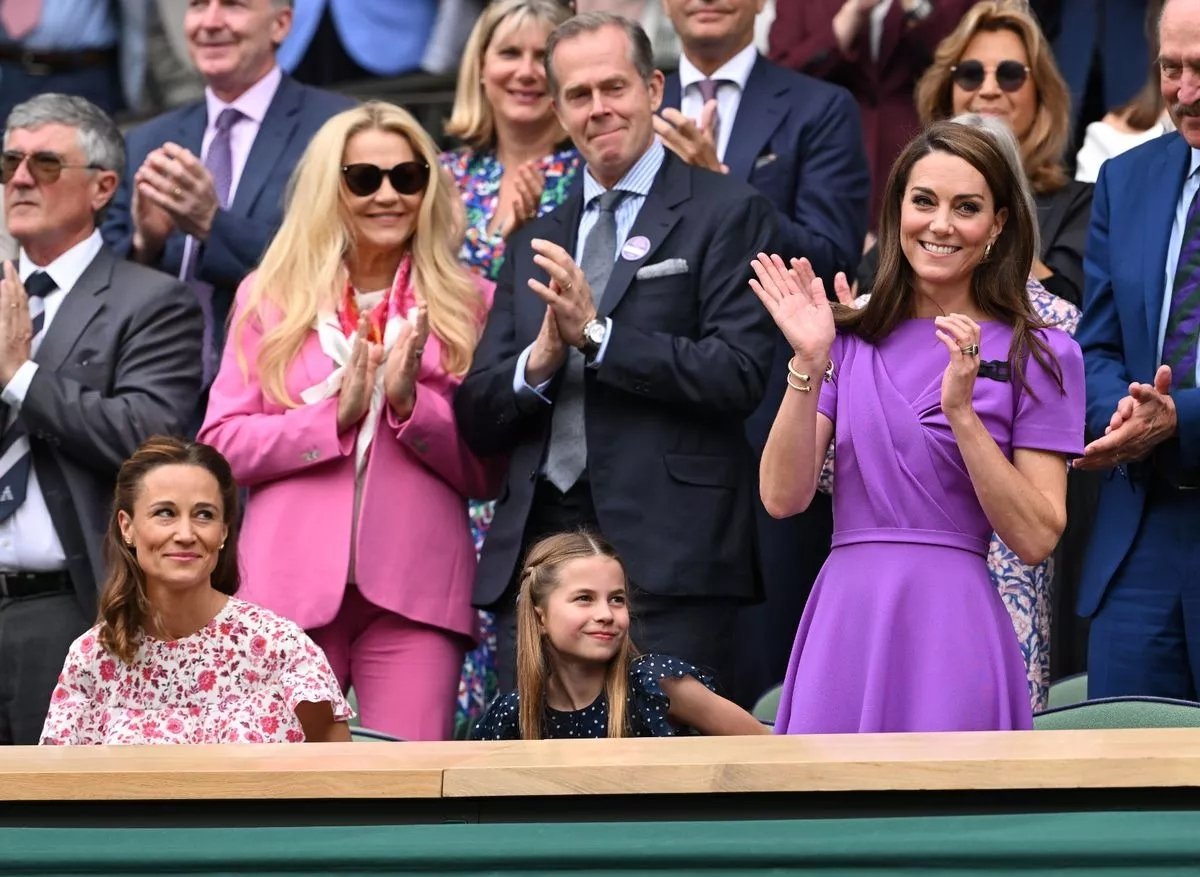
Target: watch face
[{"x": 595, "y": 332}]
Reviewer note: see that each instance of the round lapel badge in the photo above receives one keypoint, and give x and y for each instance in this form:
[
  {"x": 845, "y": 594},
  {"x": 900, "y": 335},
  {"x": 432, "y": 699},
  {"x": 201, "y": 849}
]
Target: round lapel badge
[{"x": 635, "y": 248}]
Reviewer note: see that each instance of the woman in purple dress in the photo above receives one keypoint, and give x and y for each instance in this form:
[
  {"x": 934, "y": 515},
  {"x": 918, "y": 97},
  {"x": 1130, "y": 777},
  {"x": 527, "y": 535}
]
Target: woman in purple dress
[{"x": 953, "y": 409}]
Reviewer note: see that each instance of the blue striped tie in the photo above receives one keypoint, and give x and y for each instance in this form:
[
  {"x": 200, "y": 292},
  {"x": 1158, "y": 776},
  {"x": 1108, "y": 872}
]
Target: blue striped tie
[
  {"x": 1183, "y": 318},
  {"x": 15, "y": 479}
]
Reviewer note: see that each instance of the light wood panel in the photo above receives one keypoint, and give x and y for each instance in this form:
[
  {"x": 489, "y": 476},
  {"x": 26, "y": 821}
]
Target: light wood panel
[{"x": 903, "y": 762}]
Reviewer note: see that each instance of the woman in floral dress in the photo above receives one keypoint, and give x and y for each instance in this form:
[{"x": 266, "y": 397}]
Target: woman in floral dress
[
  {"x": 516, "y": 164},
  {"x": 176, "y": 658}
]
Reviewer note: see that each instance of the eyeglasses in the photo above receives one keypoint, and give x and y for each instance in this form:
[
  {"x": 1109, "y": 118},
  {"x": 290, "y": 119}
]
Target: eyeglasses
[
  {"x": 407, "y": 178},
  {"x": 969, "y": 75},
  {"x": 46, "y": 167}
]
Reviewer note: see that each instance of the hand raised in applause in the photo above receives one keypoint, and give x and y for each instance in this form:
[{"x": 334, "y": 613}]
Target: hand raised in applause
[
  {"x": 795, "y": 298},
  {"x": 404, "y": 363},
  {"x": 961, "y": 336},
  {"x": 175, "y": 180},
  {"x": 16, "y": 326},
  {"x": 548, "y": 353},
  {"x": 358, "y": 381},
  {"x": 693, "y": 141},
  {"x": 519, "y": 204},
  {"x": 1143, "y": 420}
]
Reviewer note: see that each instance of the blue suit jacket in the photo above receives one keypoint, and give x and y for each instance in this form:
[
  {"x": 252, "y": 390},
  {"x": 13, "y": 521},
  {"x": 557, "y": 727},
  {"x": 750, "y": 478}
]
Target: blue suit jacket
[
  {"x": 241, "y": 233},
  {"x": 1132, "y": 211},
  {"x": 386, "y": 37},
  {"x": 799, "y": 141}
]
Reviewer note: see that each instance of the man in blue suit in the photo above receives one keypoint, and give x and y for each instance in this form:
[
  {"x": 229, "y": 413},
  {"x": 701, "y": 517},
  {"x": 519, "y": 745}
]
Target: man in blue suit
[
  {"x": 207, "y": 195},
  {"x": 1140, "y": 332},
  {"x": 799, "y": 141}
]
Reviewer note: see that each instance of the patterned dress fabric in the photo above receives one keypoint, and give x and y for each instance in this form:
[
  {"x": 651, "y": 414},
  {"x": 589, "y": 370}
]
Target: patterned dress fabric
[
  {"x": 477, "y": 174},
  {"x": 647, "y": 712},
  {"x": 236, "y": 680},
  {"x": 905, "y": 630}
]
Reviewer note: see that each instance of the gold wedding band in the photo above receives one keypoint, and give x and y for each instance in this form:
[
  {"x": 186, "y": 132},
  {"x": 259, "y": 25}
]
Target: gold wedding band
[
  {"x": 970, "y": 350},
  {"x": 567, "y": 286},
  {"x": 177, "y": 192},
  {"x": 419, "y": 352}
]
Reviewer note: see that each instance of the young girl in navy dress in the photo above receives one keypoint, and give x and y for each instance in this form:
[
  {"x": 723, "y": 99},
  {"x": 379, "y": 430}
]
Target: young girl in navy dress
[{"x": 578, "y": 672}]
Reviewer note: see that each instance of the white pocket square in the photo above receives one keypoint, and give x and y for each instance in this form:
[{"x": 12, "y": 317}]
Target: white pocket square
[
  {"x": 662, "y": 269},
  {"x": 764, "y": 160}
]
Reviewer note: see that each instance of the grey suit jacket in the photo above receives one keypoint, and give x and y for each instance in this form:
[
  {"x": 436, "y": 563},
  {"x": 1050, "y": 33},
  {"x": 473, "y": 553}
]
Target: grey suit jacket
[{"x": 119, "y": 363}]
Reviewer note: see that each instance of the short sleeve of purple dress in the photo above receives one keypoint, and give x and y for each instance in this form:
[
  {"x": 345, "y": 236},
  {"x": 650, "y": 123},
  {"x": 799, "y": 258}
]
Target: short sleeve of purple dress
[{"x": 904, "y": 630}]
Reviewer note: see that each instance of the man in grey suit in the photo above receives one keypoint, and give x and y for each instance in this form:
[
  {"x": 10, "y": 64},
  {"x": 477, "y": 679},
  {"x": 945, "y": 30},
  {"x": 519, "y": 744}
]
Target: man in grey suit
[{"x": 96, "y": 355}]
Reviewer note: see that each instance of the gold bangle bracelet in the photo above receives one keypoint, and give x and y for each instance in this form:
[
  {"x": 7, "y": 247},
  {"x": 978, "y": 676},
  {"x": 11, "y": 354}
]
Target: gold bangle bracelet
[
  {"x": 797, "y": 374},
  {"x": 806, "y": 387}
]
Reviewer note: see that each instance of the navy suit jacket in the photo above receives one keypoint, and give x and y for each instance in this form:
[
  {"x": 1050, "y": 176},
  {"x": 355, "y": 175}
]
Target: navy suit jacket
[
  {"x": 671, "y": 475},
  {"x": 799, "y": 141},
  {"x": 241, "y": 233},
  {"x": 1132, "y": 212}
]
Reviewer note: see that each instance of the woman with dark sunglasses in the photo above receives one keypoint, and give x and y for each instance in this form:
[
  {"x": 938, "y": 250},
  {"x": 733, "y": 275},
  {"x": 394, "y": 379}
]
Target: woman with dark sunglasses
[
  {"x": 997, "y": 62},
  {"x": 333, "y": 406}
]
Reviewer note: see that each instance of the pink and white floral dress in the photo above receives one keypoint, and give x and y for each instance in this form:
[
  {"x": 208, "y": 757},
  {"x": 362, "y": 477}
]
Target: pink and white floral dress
[{"x": 236, "y": 680}]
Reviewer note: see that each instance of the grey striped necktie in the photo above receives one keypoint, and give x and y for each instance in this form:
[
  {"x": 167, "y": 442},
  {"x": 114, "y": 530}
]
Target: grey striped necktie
[
  {"x": 15, "y": 478},
  {"x": 566, "y": 457}
]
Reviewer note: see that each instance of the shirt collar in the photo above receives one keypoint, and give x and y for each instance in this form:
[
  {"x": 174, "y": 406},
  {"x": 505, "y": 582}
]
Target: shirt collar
[
  {"x": 637, "y": 180},
  {"x": 736, "y": 69},
  {"x": 66, "y": 270},
  {"x": 1192, "y": 168},
  {"x": 252, "y": 103}
]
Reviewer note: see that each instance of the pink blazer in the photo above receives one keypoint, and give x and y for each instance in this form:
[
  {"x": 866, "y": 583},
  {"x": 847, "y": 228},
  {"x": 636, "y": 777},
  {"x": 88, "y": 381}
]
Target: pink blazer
[{"x": 413, "y": 550}]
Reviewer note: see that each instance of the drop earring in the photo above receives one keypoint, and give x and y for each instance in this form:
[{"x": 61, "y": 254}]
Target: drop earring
[{"x": 987, "y": 251}]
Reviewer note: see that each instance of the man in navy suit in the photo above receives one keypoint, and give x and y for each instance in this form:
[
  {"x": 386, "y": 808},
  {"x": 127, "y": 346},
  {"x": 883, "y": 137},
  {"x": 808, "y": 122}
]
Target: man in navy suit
[
  {"x": 207, "y": 195},
  {"x": 621, "y": 354},
  {"x": 798, "y": 140},
  {"x": 1140, "y": 333}
]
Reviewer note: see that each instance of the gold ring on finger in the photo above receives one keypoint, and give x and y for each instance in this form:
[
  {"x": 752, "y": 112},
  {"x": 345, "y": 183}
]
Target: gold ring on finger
[
  {"x": 177, "y": 191},
  {"x": 970, "y": 350}
]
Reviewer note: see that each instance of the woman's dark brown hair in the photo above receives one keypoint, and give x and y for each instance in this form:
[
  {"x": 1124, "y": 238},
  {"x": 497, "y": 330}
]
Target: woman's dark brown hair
[
  {"x": 997, "y": 283},
  {"x": 124, "y": 607}
]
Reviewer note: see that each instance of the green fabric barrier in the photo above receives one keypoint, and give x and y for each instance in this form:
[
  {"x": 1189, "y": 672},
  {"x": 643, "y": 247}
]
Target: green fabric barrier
[{"x": 1104, "y": 843}]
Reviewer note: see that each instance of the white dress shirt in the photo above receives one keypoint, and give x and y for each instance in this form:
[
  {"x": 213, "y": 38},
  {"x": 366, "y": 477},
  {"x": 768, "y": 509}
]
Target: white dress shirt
[
  {"x": 735, "y": 72},
  {"x": 28, "y": 540}
]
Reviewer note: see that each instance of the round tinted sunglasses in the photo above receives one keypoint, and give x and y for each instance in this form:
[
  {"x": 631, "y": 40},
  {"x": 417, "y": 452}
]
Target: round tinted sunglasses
[
  {"x": 46, "y": 167},
  {"x": 407, "y": 178},
  {"x": 969, "y": 75}
]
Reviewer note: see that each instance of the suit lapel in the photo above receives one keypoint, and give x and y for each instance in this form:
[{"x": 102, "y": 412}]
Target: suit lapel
[
  {"x": 759, "y": 113},
  {"x": 673, "y": 92},
  {"x": 654, "y": 222},
  {"x": 1159, "y": 200},
  {"x": 81, "y": 305},
  {"x": 273, "y": 136}
]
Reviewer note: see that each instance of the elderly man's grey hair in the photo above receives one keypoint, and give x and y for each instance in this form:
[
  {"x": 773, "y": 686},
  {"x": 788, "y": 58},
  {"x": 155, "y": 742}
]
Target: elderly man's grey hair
[{"x": 99, "y": 138}]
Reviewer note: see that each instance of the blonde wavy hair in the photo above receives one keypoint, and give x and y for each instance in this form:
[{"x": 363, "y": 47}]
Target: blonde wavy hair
[
  {"x": 1042, "y": 147},
  {"x": 304, "y": 268},
  {"x": 472, "y": 120},
  {"x": 540, "y": 576}
]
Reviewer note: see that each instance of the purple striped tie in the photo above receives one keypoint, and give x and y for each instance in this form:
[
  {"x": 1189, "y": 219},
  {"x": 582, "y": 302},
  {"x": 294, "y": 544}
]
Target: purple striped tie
[{"x": 1183, "y": 319}]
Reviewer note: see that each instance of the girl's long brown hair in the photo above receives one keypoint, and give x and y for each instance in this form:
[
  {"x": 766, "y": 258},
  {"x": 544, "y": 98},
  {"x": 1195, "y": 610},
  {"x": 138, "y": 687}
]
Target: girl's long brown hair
[
  {"x": 124, "y": 607},
  {"x": 997, "y": 283},
  {"x": 539, "y": 577}
]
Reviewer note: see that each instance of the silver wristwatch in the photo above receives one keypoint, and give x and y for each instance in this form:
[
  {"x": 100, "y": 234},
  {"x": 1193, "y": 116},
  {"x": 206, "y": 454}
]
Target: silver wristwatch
[{"x": 921, "y": 10}]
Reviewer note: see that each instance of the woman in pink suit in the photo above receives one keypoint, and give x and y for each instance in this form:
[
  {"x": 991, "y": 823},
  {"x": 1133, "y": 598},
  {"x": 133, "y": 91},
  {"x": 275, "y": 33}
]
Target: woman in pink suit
[{"x": 333, "y": 405}]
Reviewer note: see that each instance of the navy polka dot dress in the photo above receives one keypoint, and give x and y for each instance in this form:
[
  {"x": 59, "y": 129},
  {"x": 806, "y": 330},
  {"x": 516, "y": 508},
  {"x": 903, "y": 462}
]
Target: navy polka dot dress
[{"x": 648, "y": 707}]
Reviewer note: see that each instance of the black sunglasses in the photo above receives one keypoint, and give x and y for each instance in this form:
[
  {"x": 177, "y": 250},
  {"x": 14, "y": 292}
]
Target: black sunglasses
[
  {"x": 969, "y": 75},
  {"x": 407, "y": 178},
  {"x": 46, "y": 167}
]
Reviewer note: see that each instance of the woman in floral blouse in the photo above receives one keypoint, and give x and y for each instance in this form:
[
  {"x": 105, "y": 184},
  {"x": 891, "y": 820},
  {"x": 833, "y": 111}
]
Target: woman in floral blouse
[
  {"x": 516, "y": 164},
  {"x": 176, "y": 658}
]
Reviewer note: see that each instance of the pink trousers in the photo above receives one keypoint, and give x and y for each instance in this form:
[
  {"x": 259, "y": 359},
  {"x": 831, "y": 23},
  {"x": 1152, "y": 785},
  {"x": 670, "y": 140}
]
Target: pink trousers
[{"x": 405, "y": 674}]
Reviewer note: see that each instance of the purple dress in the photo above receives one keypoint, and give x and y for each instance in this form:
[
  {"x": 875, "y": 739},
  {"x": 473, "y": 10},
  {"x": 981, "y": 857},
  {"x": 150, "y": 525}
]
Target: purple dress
[{"x": 904, "y": 630}]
